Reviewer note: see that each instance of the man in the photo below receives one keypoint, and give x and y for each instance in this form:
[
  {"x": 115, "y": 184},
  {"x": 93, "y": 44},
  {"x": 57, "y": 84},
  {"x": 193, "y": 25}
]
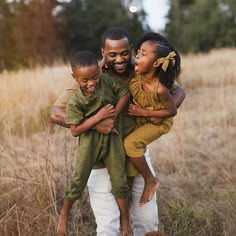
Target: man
[{"x": 116, "y": 52}]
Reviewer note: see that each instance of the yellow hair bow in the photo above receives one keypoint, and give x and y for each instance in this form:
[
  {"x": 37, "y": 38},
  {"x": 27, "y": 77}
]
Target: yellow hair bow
[{"x": 166, "y": 60}]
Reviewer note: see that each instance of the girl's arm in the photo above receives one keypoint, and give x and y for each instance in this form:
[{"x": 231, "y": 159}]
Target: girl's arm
[
  {"x": 103, "y": 113},
  {"x": 165, "y": 98}
]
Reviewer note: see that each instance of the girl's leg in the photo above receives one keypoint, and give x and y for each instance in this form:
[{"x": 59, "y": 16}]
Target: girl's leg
[
  {"x": 145, "y": 218},
  {"x": 151, "y": 182},
  {"x": 135, "y": 145}
]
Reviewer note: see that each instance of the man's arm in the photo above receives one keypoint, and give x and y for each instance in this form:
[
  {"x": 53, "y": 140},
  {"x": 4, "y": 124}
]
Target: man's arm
[
  {"x": 178, "y": 95},
  {"x": 58, "y": 116}
]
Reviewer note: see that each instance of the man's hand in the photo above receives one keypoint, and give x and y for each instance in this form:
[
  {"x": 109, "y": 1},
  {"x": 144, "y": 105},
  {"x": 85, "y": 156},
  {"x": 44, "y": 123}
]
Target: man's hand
[
  {"x": 105, "y": 126},
  {"x": 156, "y": 120},
  {"x": 135, "y": 110},
  {"x": 106, "y": 112}
]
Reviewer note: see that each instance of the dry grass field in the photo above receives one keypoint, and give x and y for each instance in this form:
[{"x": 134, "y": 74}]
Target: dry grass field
[{"x": 195, "y": 162}]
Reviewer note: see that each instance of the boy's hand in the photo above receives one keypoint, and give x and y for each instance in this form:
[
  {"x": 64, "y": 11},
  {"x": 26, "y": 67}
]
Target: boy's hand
[{"x": 106, "y": 112}]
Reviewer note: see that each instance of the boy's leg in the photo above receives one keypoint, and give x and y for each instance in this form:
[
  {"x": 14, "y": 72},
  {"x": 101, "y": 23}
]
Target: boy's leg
[
  {"x": 115, "y": 161},
  {"x": 103, "y": 203},
  {"x": 63, "y": 218},
  {"x": 124, "y": 216},
  {"x": 145, "y": 218}
]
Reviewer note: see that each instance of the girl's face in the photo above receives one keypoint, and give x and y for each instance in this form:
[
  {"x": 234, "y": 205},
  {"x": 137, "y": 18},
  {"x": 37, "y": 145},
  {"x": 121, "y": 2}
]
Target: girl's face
[{"x": 145, "y": 60}]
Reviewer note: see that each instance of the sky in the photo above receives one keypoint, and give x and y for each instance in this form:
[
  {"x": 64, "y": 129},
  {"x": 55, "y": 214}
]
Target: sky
[{"x": 156, "y": 11}]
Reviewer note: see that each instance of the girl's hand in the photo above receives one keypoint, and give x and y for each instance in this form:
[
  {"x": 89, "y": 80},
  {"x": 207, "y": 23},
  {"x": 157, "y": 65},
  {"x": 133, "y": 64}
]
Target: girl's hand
[
  {"x": 135, "y": 110},
  {"x": 106, "y": 112}
]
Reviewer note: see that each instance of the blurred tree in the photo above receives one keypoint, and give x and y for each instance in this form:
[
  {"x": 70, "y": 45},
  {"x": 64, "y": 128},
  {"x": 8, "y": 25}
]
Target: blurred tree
[
  {"x": 199, "y": 25},
  {"x": 8, "y": 49},
  {"x": 85, "y": 21},
  {"x": 29, "y": 35},
  {"x": 41, "y": 31}
]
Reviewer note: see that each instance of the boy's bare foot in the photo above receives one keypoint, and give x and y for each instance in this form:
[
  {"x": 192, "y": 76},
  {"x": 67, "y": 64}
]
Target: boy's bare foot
[
  {"x": 126, "y": 229},
  {"x": 155, "y": 233},
  {"x": 62, "y": 225},
  {"x": 149, "y": 190}
]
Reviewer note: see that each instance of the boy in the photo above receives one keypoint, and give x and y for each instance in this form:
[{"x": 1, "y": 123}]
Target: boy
[{"x": 98, "y": 97}]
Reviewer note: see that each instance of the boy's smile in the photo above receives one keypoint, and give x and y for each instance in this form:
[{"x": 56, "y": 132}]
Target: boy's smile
[{"x": 87, "y": 78}]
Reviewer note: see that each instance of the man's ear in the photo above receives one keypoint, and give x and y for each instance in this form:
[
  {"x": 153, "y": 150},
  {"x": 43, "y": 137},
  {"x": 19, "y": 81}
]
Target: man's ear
[{"x": 102, "y": 52}]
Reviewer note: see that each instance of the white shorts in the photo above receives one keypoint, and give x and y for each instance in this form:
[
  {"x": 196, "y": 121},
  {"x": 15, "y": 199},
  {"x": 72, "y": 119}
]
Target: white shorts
[{"x": 106, "y": 211}]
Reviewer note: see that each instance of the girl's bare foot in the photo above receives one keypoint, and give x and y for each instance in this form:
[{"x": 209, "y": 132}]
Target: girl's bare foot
[
  {"x": 149, "y": 190},
  {"x": 62, "y": 225}
]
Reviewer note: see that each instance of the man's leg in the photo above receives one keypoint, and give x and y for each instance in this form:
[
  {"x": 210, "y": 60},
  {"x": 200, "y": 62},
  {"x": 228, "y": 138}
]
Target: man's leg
[
  {"x": 145, "y": 218},
  {"x": 103, "y": 203}
]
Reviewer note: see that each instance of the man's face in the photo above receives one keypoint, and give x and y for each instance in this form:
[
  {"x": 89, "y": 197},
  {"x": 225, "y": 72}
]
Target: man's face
[{"x": 117, "y": 54}]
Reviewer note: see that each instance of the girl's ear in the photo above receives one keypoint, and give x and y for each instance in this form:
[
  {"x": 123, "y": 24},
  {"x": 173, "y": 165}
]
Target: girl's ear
[
  {"x": 156, "y": 63},
  {"x": 73, "y": 76}
]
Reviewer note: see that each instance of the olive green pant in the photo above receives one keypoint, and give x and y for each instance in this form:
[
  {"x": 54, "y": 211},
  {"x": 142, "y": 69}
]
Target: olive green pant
[{"x": 93, "y": 147}]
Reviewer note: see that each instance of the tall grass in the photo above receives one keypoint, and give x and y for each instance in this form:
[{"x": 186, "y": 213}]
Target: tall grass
[{"x": 195, "y": 162}]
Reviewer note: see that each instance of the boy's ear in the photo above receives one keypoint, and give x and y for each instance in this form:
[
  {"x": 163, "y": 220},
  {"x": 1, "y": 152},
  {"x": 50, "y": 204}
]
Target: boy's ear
[{"x": 73, "y": 75}]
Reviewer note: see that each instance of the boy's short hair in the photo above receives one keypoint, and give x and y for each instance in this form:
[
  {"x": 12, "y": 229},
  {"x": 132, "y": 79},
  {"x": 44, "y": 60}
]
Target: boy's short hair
[
  {"x": 83, "y": 58},
  {"x": 115, "y": 33}
]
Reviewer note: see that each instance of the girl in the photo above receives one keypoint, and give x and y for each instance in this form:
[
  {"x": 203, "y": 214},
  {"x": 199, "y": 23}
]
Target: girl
[{"x": 156, "y": 70}]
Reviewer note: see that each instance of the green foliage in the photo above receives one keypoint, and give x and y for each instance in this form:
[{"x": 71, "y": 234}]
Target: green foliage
[
  {"x": 41, "y": 31},
  {"x": 85, "y": 21},
  {"x": 200, "y": 25}
]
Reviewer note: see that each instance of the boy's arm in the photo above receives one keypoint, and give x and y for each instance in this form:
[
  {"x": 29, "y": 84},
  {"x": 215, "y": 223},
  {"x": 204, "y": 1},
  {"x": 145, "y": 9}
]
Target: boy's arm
[
  {"x": 58, "y": 111},
  {"x": 165, "y": 98},
  {"x": 105, "y": 112},
  {"x": 121, "y": 103}
]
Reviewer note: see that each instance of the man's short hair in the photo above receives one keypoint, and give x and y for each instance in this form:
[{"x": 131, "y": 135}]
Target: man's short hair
[{"x": 115, "y": 33}]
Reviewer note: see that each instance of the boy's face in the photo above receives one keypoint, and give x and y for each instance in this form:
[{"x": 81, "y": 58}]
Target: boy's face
[
  {"x": 145, "y": 60},
  {"x": 87, "y": 78},
  {"x": 117, "y": 54}
]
